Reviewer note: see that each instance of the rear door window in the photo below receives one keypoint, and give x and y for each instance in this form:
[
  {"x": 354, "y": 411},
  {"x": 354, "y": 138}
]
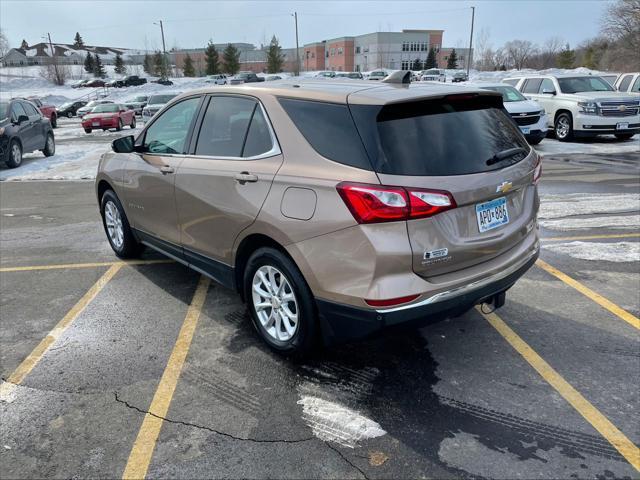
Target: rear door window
[
  {"x": 455, "y": 136},
  {"x": 531, "y": 85},
  {"x": 225, "y": 126},
  {"x": 547, "y": 84}
]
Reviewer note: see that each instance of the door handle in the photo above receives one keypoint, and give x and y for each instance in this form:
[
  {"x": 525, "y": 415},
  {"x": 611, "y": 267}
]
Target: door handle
[
  {"x": 165, "y": 169},
  {"x": 245, "y": 177}
]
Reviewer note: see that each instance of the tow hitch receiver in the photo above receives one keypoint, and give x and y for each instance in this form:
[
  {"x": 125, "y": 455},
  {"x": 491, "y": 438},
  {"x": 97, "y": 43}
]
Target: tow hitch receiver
[{"x": 496, "y": 301}]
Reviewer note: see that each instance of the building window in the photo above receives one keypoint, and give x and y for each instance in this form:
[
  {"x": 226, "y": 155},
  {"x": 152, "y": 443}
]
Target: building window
[
  {"x": 423, "y": 47},
  {"x": 405, "y": 47},
  {"x": 313, "y": 55},
  {"x": 339, "y": 50},
  {"x": 333, "y": 52},
  {"x": 406, "y": 65},
  {"x": 358, "y": 50}
]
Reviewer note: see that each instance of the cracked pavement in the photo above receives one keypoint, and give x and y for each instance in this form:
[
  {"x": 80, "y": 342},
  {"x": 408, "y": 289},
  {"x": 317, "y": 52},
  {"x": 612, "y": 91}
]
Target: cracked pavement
[{"x": 454, "y": 399}]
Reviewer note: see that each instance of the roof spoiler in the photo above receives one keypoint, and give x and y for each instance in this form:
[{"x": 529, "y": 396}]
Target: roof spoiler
[{"x": 401, "y": 76}]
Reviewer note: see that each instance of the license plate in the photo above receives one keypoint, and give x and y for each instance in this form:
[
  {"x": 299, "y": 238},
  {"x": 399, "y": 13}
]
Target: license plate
[
  {"x": 492, "y": 214},
  {"x": 96, "y": 124},
  {"x": 526, "y": 130},
  {"x": 622, "y": 125}
]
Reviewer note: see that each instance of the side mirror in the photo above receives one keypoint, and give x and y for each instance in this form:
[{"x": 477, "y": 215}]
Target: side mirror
[
  {"x": 123, "y": 144},
  {"x": 22, "y": 119},
  {"x": 547, "y": 91}
]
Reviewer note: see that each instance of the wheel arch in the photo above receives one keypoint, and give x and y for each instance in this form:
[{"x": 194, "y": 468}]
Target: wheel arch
[
  {"x": 562, "y": 110},
  {"x": 247, "y": 246},
  {"x": 103, "y": 186}
]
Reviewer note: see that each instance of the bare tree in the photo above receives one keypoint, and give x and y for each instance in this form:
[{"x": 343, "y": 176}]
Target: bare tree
[
  {"x": 56, "y": 74},
  {"x": 519, "y": 51},
  {"x": 484, "y": 50},
  {"x": 622, "y": 22},
  {"x": 549, "y": 51},
  {"x": 4, "y": 44}
]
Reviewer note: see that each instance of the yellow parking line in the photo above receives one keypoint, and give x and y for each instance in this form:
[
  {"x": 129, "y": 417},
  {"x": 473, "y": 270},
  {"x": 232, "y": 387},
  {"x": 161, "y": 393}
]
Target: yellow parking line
[
  {"x": 145, "y": 443},
  {"x": 591, "y": 237},
  {"x": 596, "y": 297},
  {"x": 591, "y": 414},
  {"x": 29, "y": 268},
  {"x": 36, "y": 355}
]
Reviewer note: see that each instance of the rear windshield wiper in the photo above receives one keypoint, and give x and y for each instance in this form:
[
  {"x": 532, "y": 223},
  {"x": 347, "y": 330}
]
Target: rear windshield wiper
[{"x": 504, "y": 154}]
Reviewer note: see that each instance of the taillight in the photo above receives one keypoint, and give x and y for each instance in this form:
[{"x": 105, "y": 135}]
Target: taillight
[
  {"x": 374, "y": 203},
  {"x": 381, "y": 203},
  {"x": 426, "y": 203},
  {"x": 391, "y": 302},
  {"x": 537, "y": 172}
]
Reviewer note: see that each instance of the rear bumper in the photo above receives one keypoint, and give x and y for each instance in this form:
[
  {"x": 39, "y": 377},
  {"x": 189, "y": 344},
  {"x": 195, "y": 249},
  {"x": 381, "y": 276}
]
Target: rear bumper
[{"x": 341, "y": 322}]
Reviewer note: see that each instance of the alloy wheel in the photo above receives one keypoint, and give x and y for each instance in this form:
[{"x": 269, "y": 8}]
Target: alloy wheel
[
  {"x": 16, "y": 154},
  {"x": 563, "y": 127},
  {"x": 113, "y": 221},
  {"x": 275, "y": 303}
]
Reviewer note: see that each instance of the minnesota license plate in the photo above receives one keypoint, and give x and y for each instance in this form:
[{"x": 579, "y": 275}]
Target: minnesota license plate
[
  {"x": 525, "y": 130},
  {"x": 492, "y": 214},
  {"x": 622, "y": 125}
]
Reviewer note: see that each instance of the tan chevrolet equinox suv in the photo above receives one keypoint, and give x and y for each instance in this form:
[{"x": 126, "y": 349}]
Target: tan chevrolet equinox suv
[{"x": 335, "y": 209}]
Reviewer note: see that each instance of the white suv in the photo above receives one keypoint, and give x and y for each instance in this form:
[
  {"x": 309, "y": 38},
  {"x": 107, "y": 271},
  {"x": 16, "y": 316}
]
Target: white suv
[
  {"x": 433, "y": 75},
  {"x": 582, "y": 105},
  {"x": 629, "y": 83}
]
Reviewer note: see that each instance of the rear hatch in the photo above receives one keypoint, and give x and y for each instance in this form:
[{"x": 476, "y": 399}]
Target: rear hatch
[{"x": 445, "y": 148}]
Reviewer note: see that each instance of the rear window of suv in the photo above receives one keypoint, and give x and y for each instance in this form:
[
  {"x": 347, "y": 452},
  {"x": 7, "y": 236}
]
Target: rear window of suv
[{"x": 440, "y": 137}]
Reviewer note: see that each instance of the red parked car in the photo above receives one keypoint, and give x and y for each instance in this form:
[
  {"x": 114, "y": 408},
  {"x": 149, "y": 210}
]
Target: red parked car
[
  {"x": 48, "y": 111},
  {"x": 109, "y": 115}
]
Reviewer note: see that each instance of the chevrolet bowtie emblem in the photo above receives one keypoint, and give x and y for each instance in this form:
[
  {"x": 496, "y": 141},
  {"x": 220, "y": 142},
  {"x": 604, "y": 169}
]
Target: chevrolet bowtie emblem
[
  {"x": 504, "y": 187},
  {"x": 622, "y": 108}
]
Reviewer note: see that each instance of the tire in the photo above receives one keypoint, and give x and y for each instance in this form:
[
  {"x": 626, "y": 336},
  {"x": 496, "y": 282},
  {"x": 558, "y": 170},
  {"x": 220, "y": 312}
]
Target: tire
[
  {"x": 49, "y": 149},
  {"x": 14, "y": 154},
  {"x": 120, "y": 126},
  {"x": 534, "y": 141},
  {"x": 87, "y": 130},
  {"x": 54, "y": 121},
  {"x": 563, "y": 127},
  {"x": 133, "y": 122},
  {"x": 300, "y": 339},
  {"x": 624, "y": 136},
  {"x": 69, "y": 115},
  {"x": 117, "y": 228}
]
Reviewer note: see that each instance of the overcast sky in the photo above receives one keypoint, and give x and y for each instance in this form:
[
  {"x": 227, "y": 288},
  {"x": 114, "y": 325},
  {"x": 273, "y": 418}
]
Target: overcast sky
[{"x": 190, "y": 24}]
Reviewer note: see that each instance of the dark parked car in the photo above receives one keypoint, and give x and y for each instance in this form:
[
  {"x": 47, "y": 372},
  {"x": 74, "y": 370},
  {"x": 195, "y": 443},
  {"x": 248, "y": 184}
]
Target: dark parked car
[
  {"x": 96, "y": 82},
  {"x": 459, "y": 77},
  {"x": 162, "y": 81},
  {"x": 69, "y": 109},
  {"x": 129, "y": 81},
  {"x": 23, "y": 129},
  {"x": 246, "y": 77}
]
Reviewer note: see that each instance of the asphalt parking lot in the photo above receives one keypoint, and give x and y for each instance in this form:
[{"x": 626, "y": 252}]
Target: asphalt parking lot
[{"x": 124, "y": 370}]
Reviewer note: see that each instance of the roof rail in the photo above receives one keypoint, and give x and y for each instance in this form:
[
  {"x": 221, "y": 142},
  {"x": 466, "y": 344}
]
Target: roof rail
[{"x": 401, "y": 77}]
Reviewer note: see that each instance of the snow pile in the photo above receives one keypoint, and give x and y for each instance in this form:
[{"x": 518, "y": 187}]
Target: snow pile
[
  {"x": 332, "y": 422},
  {"x": 611, "y": 252},
  {"x": 557, "y": 206}
]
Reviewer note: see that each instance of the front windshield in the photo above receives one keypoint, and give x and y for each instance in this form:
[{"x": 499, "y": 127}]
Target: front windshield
[
  {"x": 105, "y": 108},
  {"x": 160, "y": 99},
  {"x": 509, "y": 94},
  {"x": 432, "y": 72},
  {"x": 92, "y": 103},
  {"x": 584, "y": 84},
  {"x": 66, "y": 105},
  {"x": 4, "y": 106}
]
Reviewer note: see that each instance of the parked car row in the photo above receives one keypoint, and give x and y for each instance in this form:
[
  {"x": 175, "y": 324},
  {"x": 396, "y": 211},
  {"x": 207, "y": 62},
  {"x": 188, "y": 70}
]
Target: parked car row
[
  {"x": 23, "y": 129},
  {"x": 582, "y": 105}
]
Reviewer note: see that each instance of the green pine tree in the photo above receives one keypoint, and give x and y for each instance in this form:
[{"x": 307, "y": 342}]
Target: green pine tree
[
  {"x": 231, "y": 57},
  {"x": 452, "y": 61},
  {"x": 147, "y": 64},
  {"x": 160, "y": 67},
  {"x": 431, "y": 59},
  {"x": 590, "y": 60},
  {"x": 275, "y": 58},
  {"x": 417, "y": 65},
  {"x": 118, "y": 65},
  {"x": 88, "y": 63},
  {"x": 566, "y": 58},
  {"x": 24, "y": 45},
  {"x": 77, "y": 41},
  {"x": 98, "y": 68},
  {"x": 212, "y": 59},
  {"x": 188, "y": 68}
]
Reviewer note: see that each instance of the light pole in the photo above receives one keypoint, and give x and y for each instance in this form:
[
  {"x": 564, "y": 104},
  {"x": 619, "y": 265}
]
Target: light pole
[
  {"x": 473, "y": 14},
  {"x": 164, "y": 48},
  {"x": 297, "y": 70}
]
